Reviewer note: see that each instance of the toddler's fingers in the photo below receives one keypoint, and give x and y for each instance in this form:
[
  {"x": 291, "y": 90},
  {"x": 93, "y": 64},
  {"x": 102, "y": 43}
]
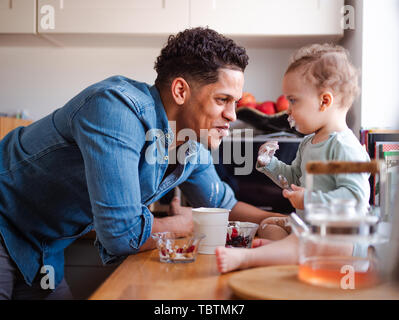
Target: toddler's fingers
[
  {"x": 263, "y": 160},
  {"x": 287, "y": 193},
  {"x": 269, "y": 146},
  {"x": 295, "y": 187}
]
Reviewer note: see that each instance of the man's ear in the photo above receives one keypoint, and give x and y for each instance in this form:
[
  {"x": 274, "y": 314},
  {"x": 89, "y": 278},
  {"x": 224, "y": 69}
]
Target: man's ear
[
  {"x": 180, "y": 90},
  {"x": 326, "y": 100}
]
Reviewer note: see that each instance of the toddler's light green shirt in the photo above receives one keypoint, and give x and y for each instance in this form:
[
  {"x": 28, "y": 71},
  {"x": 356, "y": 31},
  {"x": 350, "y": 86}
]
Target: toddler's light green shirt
[{"x": 340, "y": 146}]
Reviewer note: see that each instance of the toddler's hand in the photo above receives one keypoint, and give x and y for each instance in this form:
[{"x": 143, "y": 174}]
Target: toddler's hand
[
  {"x": 266, "y": 153},
  {"x": 295, "y": 196}
]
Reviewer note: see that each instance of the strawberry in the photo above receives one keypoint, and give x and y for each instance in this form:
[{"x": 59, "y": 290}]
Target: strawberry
[{"x": 234, "y": 233}]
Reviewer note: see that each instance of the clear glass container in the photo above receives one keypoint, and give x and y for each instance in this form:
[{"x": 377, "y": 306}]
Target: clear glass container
[
  {"x": 337, "y": 245},
  {"x": 174, "y": 248},
  {"x": 240, "y": 234},
  {"x": 342, "y": 245}
]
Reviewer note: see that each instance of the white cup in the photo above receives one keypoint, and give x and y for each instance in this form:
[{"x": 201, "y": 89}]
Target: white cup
[{"x": 212, "y": 222}]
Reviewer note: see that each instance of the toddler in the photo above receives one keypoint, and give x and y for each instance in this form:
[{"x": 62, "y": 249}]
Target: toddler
[{"x": 321, "y": 84}]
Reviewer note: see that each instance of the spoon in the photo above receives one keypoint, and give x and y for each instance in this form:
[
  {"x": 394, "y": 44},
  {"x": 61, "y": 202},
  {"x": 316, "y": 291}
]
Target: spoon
[{"x": 284, "y": 182}]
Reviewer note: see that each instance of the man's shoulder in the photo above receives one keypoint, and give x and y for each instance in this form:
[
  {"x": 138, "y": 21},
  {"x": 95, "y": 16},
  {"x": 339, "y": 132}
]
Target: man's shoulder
[
  {"x": 138, "y": 92},
  {"x": 113, "y": 93}
]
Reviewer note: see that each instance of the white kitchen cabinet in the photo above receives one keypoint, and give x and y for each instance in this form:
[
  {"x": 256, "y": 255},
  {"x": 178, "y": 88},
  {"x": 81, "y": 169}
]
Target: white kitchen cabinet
[
  {"x": 112, "y": 17},
  {"x": 18, "y": 16},
  {"x": 269, "y": 17}
]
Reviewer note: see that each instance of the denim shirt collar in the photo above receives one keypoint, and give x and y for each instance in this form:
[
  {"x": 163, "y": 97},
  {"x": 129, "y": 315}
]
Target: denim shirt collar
[
  {"x": 193, "y": 148},
  {"x": 168, "y": 135}
]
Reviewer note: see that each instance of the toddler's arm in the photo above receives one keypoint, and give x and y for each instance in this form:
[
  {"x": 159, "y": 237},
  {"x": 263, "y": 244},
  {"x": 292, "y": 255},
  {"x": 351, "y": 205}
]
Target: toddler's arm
[
  {"x": 268, "y": 164},
  {"x": 349, "y": 186}
]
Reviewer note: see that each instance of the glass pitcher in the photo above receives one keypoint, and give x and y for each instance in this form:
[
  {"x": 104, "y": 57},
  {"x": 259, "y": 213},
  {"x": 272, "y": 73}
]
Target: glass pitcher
[{"x": 340, "y": 241}]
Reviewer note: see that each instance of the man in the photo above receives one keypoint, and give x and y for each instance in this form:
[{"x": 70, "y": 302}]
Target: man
[{"x": 100, "y": 160}]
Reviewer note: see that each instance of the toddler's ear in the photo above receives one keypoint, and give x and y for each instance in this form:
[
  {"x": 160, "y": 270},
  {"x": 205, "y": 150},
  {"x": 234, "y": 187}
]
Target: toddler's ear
[{"x": 326, "y": 100}]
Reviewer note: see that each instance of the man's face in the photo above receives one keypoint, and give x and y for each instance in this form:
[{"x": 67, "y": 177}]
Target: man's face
[{"x": 212, "y": 107}]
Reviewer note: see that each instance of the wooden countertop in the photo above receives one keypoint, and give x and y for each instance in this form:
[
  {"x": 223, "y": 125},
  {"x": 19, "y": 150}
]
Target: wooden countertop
[{"x": 143, "y": 276}]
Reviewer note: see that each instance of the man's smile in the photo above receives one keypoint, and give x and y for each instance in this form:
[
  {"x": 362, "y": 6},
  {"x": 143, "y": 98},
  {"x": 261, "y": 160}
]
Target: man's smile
[{"x": 223, "y": 130}]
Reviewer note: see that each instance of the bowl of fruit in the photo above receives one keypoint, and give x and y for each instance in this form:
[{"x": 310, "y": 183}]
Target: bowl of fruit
[
  {"x": 240, "y": 234},
  {"x": 174, "y": 248},
  {"x": 268, "y": 116}
]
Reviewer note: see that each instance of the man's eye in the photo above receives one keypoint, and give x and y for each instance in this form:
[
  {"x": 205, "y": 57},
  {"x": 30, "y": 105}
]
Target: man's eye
[
  {"x": 224, "y": 100},
  {"x": 292, "y": 101}
]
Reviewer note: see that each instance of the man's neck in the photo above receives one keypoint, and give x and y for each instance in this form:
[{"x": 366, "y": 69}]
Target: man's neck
[{"x": 172, "y": 112}]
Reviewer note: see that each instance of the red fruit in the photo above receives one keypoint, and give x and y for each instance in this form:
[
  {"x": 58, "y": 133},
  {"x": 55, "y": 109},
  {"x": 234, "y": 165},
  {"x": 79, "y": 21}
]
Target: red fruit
[
  {"x": 180, "y": 250},
  {"x": 246, "y": 99},
  {"x": 282, "y": 103},
  {"x": 234, "y": 233},
  {"x": 248, "y": 105},
  {"x": 190, "y": 249},
  {"x": 267, "y": 107}
]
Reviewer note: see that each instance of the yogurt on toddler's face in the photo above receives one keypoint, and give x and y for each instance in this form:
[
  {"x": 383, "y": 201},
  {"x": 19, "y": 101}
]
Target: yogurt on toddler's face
[{"x": 291, "y": 121}]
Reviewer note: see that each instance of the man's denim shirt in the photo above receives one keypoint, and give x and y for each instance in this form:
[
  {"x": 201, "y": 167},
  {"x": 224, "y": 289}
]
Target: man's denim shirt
[{"x": 99, "y": 161}]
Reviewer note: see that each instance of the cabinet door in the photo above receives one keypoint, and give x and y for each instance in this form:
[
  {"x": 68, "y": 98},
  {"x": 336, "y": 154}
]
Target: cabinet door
[
  {"x": 8, "y": 124},
  {"x": 18, "y": 16},
  {"x": 269, "y": 17},
  {"x": 113, "y": 16}
]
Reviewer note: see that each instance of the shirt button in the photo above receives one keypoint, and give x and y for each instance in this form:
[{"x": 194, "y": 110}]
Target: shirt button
[
  {"x": 165, "y": 157},
  {"x": 167, "y": 136}
]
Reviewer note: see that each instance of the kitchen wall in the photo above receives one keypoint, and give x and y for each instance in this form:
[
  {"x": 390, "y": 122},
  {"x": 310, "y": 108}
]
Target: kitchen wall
[
  {"x": 352, "y": 41},
  {"x": 41, "y": 79},
  {"x": 380, "y": 64}
]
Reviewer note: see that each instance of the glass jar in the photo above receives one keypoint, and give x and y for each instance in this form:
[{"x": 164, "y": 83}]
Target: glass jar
[{"x": 337, "y": 245}]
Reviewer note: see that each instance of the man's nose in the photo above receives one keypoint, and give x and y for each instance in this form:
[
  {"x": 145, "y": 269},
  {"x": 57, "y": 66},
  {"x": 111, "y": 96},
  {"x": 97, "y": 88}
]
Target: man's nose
[{"x": 230, "y": 112}]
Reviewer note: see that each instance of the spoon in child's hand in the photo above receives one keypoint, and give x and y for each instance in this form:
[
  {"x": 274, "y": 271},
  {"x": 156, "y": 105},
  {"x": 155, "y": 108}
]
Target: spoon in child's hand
[{"x": 284, "y": 182}]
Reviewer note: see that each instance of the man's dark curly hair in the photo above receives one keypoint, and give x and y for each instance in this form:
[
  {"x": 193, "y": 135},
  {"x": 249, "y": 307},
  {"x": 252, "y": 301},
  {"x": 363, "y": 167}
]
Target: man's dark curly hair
[{"x": 196, "y": 55}]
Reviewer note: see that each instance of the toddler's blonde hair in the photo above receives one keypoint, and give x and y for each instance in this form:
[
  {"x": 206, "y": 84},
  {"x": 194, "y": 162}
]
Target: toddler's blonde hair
[{"x": 327, "y": 66}]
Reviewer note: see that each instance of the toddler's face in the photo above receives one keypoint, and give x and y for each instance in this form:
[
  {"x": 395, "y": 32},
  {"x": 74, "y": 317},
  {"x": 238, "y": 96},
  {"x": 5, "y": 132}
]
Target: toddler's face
[{"x": 304, "y": 101}]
